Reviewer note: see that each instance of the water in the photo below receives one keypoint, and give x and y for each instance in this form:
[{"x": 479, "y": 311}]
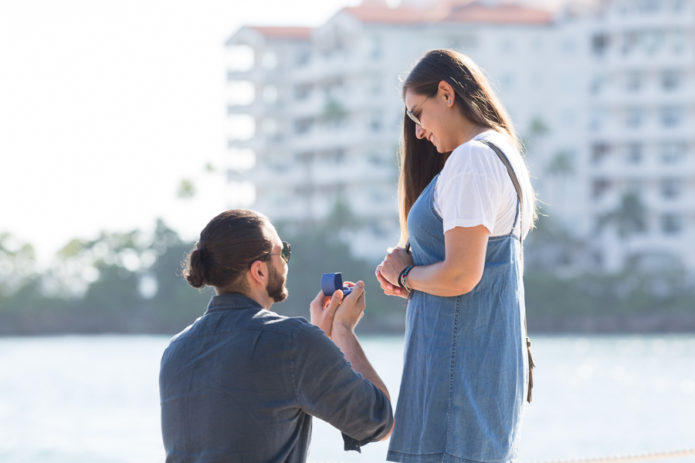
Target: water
[{"x": 94, "y": 399}]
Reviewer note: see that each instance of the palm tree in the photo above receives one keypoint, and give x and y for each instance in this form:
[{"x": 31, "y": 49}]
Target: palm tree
[{"x": 629, "y": 217}]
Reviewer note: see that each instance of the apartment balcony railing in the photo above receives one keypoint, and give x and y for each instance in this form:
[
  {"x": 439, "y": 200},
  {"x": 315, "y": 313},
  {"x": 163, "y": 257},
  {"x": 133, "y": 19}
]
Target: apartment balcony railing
[
  {"x": 619, "y": 132},
  {"x": 662, "y": 18},
  {"x": 651, "y": 97}
]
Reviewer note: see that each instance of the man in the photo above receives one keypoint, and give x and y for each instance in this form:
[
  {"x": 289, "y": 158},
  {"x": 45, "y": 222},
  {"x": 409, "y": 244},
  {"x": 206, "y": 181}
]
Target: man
[{"x": 241, "y": 383}]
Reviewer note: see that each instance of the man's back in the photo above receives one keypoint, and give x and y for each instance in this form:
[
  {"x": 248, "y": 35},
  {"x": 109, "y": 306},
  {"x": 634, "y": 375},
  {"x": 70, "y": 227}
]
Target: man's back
[{"x": 241, "y": 383}]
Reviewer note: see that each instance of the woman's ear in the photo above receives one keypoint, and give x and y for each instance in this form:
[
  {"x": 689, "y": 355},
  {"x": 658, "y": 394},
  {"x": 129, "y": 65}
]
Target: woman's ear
[{"x": 446, "y": 91}]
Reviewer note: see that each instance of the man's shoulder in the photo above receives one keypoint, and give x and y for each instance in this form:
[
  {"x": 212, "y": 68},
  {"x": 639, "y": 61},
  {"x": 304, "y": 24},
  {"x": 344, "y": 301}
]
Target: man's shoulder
[
  {"x": 269, "y": 320},
  {"x": 299, "y": 328},
  {"x": 269, "y": 328}
]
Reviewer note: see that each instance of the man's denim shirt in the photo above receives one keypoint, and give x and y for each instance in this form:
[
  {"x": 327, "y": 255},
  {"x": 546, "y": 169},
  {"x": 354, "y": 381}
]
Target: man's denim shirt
[{"x": 241, "y": 384}]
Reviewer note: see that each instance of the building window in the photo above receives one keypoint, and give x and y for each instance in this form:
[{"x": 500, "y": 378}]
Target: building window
[
  {"x": 376, "y": 87},
  {"x": 302, "y": 126},
  {"x": 635, "y": 153},
  {"x": 678, "y": 42},
  {"x": 651, "y": 41},
  {"x": 596, "y": 85},
  {"x": 375, "y": 122},
  {"x": 599, "y": 44},
  {"x": 599, "y": 187},
  {"x": 634, "y": 117},
  {"x": 671, "y": 224},
  {"x": 670, "y": 80},
  {"x": 303, "y": 157},
  {"x": 302, "y": 92},
  {"x": 302, "y": 58},
  {"x": 599, "y": 151},
  {"x": 671, "y": 116},
  {"x": 375, "y": 48},
  {"x": 630, "y": 41},
  {"x": 633, "y": 81},
  {"x": 648, "y": 6},
  {"x": 671, "y": 188},
  {"x": 672, "y": 152}
]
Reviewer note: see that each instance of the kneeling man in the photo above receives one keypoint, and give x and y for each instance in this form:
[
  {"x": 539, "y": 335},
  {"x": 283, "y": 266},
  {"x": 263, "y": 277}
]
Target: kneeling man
[{"x": 242, "y": 383}]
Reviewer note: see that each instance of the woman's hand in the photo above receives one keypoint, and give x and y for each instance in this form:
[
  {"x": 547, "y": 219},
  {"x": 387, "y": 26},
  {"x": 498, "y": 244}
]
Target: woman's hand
[
  {"x": 388, "y": 271},
  {"x": 388, "y": 288}
]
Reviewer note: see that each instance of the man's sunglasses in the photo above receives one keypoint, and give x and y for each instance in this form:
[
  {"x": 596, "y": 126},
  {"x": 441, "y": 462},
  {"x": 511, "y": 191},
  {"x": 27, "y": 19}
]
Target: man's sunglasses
[{"x": 286, "y": 252}]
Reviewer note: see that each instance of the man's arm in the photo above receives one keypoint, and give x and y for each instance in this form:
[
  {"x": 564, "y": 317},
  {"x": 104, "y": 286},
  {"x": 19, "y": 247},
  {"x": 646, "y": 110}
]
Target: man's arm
[
  {"x": 335, "y": 381},
  {"x": 345, "y": 320}
]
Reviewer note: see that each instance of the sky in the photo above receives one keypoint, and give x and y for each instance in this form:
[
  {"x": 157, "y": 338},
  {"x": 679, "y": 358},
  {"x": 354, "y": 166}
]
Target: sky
[{"x": 105, "y": 106}]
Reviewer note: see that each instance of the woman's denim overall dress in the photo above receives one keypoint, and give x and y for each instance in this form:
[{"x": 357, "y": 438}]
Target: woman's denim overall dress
[{"x": 465, "y": 367}]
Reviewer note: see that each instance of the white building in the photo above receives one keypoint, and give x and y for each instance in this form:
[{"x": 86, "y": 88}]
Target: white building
[
  {"x": 642, "y": 131},
  {"x": 328, "y": 109},
  {"x": 604, "y": 98}
]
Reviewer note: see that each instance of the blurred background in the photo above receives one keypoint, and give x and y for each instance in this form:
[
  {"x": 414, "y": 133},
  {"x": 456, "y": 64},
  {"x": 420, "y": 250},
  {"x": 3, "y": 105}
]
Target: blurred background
[{"x": 126, "y": 126}]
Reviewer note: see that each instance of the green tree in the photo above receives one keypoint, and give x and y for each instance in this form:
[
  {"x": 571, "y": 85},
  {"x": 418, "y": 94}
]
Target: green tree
[
  {"x": 629, "y": 217},
  {"x": 17, "y": 263},
  {"x": 175, "y": 303},
  {"x": 333, "y": 111},
  {"x": 560, "y": 165},
  {"x": 186, "y": 189}
]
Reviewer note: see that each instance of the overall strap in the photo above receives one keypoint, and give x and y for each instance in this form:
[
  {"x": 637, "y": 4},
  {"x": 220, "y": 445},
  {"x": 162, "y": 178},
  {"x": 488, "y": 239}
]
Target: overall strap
[
  {"x": 515, "y": 181},
  {"x": 520, "y": 198}
]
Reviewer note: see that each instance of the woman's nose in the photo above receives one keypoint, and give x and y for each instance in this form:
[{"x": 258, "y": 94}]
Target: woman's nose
[{"x": 419, "y": 131}]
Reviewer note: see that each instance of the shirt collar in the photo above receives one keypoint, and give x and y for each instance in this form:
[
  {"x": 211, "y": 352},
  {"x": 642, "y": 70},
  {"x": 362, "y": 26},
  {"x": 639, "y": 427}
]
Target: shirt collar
[{"x": 232, "y": 301}]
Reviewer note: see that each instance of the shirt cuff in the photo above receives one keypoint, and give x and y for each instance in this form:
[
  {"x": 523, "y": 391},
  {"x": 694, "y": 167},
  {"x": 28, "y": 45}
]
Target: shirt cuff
[{"x": 353, "y": 444}]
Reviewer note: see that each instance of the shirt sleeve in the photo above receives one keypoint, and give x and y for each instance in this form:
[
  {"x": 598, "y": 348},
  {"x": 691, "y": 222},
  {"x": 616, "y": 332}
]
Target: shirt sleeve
[
  {"x": 327, "y": 387},
  {"x": 467, "y": 199}
]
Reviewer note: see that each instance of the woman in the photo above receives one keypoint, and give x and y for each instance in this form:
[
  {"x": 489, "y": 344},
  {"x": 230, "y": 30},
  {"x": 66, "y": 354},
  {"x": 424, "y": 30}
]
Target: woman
[{"x": 460, "y": 266}]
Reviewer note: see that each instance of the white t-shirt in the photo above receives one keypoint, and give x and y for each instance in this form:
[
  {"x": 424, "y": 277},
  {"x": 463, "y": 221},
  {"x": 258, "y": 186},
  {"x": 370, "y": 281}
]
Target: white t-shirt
[{"x": 474, "y": 187}]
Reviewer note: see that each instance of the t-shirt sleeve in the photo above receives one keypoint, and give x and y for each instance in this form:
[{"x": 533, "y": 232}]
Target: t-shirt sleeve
[
  {"x": 467, "y": 199},
  {"x": 327, "y": 387}
]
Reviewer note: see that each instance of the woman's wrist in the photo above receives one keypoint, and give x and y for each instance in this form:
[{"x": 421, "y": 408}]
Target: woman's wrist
[{"x": 403, "y": 278}]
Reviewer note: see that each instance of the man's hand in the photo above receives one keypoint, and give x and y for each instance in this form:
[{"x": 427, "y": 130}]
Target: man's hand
[
  {"x": 322, "y": 310},
  {"x": 352, "y": 309}
]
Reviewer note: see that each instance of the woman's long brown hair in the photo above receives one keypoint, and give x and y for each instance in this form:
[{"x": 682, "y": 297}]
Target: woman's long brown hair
[{"x": 420, "y": 161}]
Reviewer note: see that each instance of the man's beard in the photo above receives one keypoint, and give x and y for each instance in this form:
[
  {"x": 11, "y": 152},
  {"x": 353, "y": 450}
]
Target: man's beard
[{"x": 276, "y": 286}]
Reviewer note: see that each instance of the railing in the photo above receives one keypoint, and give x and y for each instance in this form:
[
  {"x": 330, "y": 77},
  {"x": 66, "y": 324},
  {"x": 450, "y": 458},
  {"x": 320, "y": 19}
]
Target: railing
[{"x": 629, "y": 458}]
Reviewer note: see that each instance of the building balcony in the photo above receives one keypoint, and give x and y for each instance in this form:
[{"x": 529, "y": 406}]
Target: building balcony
[
  {"x": 326, "y": 138},
  {"x": 657, "y": 203},
  {"x": 346, "y": 172},
  {"x": 290, "y": 209},
  {"x": 641, "y": 61},
  {"x": 259, "y": 75},
  {"x": 618, "y": 168},
  {"x": 322, "y": 69},
  {"x": 616, "y": 132},
  {"x": 648, "y": 98},
  {"x": 661, "y": 18}
]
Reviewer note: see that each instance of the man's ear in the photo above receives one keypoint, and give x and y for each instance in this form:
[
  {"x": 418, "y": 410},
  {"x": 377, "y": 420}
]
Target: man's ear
[{"x": 258, "y": 273}]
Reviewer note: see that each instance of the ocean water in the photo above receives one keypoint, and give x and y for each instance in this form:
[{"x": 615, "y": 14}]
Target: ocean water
[{"x": 94, "y": 399}]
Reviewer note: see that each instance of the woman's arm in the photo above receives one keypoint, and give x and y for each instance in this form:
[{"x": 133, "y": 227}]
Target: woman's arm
[{"x": 458, "y": 273}]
